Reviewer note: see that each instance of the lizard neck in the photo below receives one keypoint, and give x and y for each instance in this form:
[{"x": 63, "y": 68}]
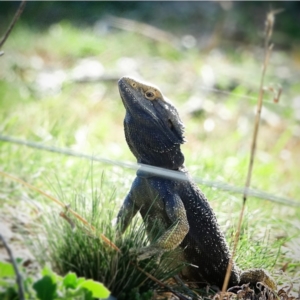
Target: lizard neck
[
  {"x": 152, "y": 145},
  {"x": 172, "y": 159}
]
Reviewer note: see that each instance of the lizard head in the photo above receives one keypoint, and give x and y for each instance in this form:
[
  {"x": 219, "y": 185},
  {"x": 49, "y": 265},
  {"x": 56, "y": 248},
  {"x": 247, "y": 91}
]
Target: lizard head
[{"x": 153, "y": 129}]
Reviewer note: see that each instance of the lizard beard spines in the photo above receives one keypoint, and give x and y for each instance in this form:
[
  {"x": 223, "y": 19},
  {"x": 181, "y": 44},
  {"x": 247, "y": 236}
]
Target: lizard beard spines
[{"x": 147, "y": 149}]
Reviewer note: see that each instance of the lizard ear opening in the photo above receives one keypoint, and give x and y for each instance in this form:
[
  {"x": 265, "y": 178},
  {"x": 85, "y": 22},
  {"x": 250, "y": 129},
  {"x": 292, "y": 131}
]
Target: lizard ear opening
[
  {"x": 170, "y": 124},
  {"x": 177, "y": 128}
]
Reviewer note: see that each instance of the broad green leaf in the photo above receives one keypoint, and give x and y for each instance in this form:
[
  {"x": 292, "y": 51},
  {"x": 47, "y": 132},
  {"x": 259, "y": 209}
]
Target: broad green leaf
[
  {"x": 45, "y": 288},
  {"x": 48, "y": 272},
  {"x": 88, "y": 295},
  {"x": 9, "y": 293},
  {"x": 80, "y": 293},
  {"x": 70, "y": 281},
  {"x": 6, "y": 270},
  {"x": 98, "y": 289},
  {"x": 80, "y": 280}
]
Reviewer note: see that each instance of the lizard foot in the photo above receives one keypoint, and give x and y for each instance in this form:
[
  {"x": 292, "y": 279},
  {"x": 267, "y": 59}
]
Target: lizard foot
[
  {"x": 148, "y": 252},
  {"x": 258, "y": 275}
]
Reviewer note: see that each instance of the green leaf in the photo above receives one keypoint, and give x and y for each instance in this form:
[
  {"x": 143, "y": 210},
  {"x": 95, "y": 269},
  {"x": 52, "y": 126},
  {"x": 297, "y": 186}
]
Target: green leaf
[
  {"x": 48, "y": 272},
  {"x": 80, "y": 280},
  {"x": 6, "y": 270},
  {"x": 96, "y": 288},
  {"x": 9, "y": 293},
  {"x": 70, "y": 281},
  {"x": 45, "y": 288},
  {"x": 88, "y": 295},
  {"x": 81, "y": 293}
]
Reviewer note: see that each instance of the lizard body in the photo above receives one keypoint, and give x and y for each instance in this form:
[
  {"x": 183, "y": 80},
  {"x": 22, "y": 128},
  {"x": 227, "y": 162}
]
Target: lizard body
[{"x": 175, "y": 209}]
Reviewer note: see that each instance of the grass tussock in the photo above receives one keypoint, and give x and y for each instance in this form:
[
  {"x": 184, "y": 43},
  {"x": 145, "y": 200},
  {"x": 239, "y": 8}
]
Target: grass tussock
[{"x": 71, "y": 246}]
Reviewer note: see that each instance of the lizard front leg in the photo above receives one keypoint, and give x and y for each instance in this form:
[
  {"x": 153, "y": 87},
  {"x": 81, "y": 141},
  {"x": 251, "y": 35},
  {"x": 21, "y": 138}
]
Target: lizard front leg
[
  {"x": 125, "y": 215},
  {"x": 173, "y": 236}
]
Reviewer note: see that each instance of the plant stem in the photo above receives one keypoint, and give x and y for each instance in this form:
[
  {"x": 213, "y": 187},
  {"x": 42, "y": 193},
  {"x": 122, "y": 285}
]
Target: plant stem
[
  {"x": 267, "y": 51},
  {"x": 13, "y": 22},
  {"x": 18, "y": 275}
]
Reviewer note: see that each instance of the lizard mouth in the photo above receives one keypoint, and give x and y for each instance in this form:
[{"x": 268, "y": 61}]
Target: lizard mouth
[{"x": 125, "y": 93}]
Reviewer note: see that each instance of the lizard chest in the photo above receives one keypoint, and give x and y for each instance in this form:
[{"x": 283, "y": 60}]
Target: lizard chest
[{"x": 149, "y": 200}]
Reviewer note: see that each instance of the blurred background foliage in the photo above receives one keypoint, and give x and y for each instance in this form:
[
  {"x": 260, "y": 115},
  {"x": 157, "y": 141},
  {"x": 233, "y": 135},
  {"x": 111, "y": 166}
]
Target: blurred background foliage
[
  {"x": 205, "y": 56},
  {"x": 236, "y": 20}
]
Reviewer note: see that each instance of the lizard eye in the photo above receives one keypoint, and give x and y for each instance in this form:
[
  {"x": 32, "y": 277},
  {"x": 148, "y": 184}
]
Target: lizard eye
[
  {"x": 150, "y": 95},
  {"x": 133, "y": 84}
]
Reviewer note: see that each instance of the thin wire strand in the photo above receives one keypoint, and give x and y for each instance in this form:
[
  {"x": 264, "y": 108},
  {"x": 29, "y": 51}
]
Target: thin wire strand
[{"x": 156, "y": 171}]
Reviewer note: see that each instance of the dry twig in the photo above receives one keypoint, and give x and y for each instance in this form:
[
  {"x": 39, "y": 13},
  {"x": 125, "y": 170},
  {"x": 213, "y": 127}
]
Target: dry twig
[
  {"x": 143, "y": 29},
  {"x": 12, "y": 24},
  {"x": 18, "y": 275},
  {"x": 269, "y": 24}
]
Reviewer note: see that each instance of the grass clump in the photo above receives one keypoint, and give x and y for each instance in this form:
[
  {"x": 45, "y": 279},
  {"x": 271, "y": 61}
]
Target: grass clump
[{"x": 71, "y": 246}]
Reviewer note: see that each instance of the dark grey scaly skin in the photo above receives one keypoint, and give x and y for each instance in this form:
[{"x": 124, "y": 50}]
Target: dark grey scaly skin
[{"x": 176, "y": 209}]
